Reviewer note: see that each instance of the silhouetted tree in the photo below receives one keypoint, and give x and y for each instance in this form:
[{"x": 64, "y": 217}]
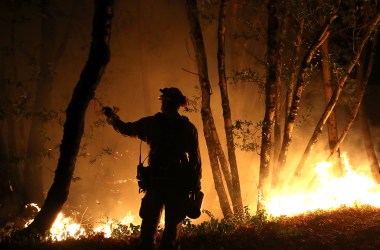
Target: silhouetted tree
[
  {"x": 304, "y": 68},
  {"x": 84, "y": 91},
  {"x": 362, "y": 78},
  {"x": 332, "y": 128},
  {"x": 338, "y": 90},
  {"x": 235, "y": 192},
  {"x": 209, "y": 130}
]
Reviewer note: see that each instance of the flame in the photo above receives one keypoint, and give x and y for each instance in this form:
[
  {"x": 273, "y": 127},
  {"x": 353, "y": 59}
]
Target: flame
[
  {"x": 353, "y": 188},
  {"x": 107, "y": 228},
  {"x": 65, "y": 227}
]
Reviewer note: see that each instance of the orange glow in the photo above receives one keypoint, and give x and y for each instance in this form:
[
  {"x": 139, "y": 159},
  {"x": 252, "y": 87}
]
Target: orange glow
[
  {"x": 106, "y": 228},
  {"x": 65, "y": 227},
  {"x": 354, "y": 188}
]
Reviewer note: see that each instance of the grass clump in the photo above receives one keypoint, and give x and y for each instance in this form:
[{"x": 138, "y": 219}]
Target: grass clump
[{"x": 344, "y": 228}]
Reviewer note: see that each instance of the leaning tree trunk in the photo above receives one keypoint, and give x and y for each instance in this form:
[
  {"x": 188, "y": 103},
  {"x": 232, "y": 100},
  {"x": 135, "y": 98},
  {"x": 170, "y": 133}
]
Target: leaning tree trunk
[
  {"x": 277, "y": 182},
  {"x": 298, "y": 90},
  {"x": 74, "y": 125},
  {"x": 209, "y": 129},
  {"x": 237, "y": 203},
  {"x": 362, "y": 81},
  {"x": 362, "y": 78},
  {"x": 334, "y": 98}
]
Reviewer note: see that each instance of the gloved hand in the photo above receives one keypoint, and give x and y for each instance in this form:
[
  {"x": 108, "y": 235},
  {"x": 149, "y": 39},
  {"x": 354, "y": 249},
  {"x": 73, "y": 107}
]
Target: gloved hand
[
  {"x": 111, "y": 116},
  {"x": 107, "y": 111}
]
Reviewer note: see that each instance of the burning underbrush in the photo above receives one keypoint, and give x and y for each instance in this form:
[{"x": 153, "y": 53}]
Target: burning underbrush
[
  {"x": 326, "y": 190},
  {"x": 334, "y": 212},
  {"x": 342, "y": 228}
]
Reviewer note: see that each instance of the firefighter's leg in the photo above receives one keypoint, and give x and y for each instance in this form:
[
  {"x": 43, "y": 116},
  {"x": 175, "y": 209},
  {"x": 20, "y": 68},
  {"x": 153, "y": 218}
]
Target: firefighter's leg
[
  {"x": 175, "y": 213},
  {"x": 150, "y": 212}
]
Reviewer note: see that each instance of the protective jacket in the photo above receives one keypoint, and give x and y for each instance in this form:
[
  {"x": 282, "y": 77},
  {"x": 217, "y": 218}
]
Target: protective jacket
[{"x": 174, "y": 156}]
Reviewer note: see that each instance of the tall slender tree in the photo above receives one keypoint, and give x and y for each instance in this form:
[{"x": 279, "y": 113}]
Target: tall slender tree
[
  {"x": 299, "y": 86},
  {"x": 235, "y": 192},
  {"x": 284, "y": 17},
  {"x": 277, "y": 179},
  {"x": 273, "y": 56},
  {"x": 209, "y": 129},
  {"x": 332, "y": 129},
  {"x": 74, "y": 125}
]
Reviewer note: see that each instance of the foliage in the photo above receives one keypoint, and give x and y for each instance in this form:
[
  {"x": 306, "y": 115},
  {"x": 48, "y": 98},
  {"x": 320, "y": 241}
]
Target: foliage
[
  {"x": 344, "y": 228},
  {"x": 248, "y": 75},
  {"x": 207, "y": 9},
  {"x": 247, "y": 135},
  {"x": 193, "y": 102}
]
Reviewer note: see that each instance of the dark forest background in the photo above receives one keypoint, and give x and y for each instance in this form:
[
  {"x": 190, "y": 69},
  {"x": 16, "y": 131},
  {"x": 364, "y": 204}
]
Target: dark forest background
[{"x": 44, "y": 46}]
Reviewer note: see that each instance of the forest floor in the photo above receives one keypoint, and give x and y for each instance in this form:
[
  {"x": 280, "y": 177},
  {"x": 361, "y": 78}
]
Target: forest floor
[{"x": 345, "y": 228}]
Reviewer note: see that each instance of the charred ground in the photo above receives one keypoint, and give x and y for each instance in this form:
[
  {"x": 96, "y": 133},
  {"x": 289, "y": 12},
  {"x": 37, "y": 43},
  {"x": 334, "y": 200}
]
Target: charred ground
[{"x": 345, "y": 228}]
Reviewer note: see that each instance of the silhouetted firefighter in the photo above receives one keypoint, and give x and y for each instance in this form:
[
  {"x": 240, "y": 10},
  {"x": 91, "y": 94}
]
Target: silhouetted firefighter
[{"x": 174, "y": 170}]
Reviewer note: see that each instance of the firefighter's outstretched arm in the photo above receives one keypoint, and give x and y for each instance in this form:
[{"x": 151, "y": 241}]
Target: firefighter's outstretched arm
[
  {"x": 114, "y": 120},
  {"x": 134, "y": 129}
]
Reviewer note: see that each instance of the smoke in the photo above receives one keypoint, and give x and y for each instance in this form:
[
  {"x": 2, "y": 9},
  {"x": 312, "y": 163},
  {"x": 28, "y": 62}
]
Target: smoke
[{"x": 150, "y": 48}]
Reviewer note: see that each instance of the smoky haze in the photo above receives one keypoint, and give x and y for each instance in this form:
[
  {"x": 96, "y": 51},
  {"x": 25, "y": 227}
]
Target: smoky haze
[{"x": 150, "y": 49}]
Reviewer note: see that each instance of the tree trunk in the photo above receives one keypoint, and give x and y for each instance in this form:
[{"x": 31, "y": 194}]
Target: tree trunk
[
  {"x": 332, "y": 130},
  {"x": 273, "y": 49},
  {"x": 237, "y": 203},
  {"x": 74, "y": 125},
  {"x": 288, "y": 102},
  {"x": 236, "y": 51},
  {"x": 362, "y": 81},
  {"x": 283, "y": 16},
  {"x": 295, "y": 68},
  {"x": 298, "y": 90},
  {"x": 334, "y": 98},
  {"x": 207, "y": 117}
]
